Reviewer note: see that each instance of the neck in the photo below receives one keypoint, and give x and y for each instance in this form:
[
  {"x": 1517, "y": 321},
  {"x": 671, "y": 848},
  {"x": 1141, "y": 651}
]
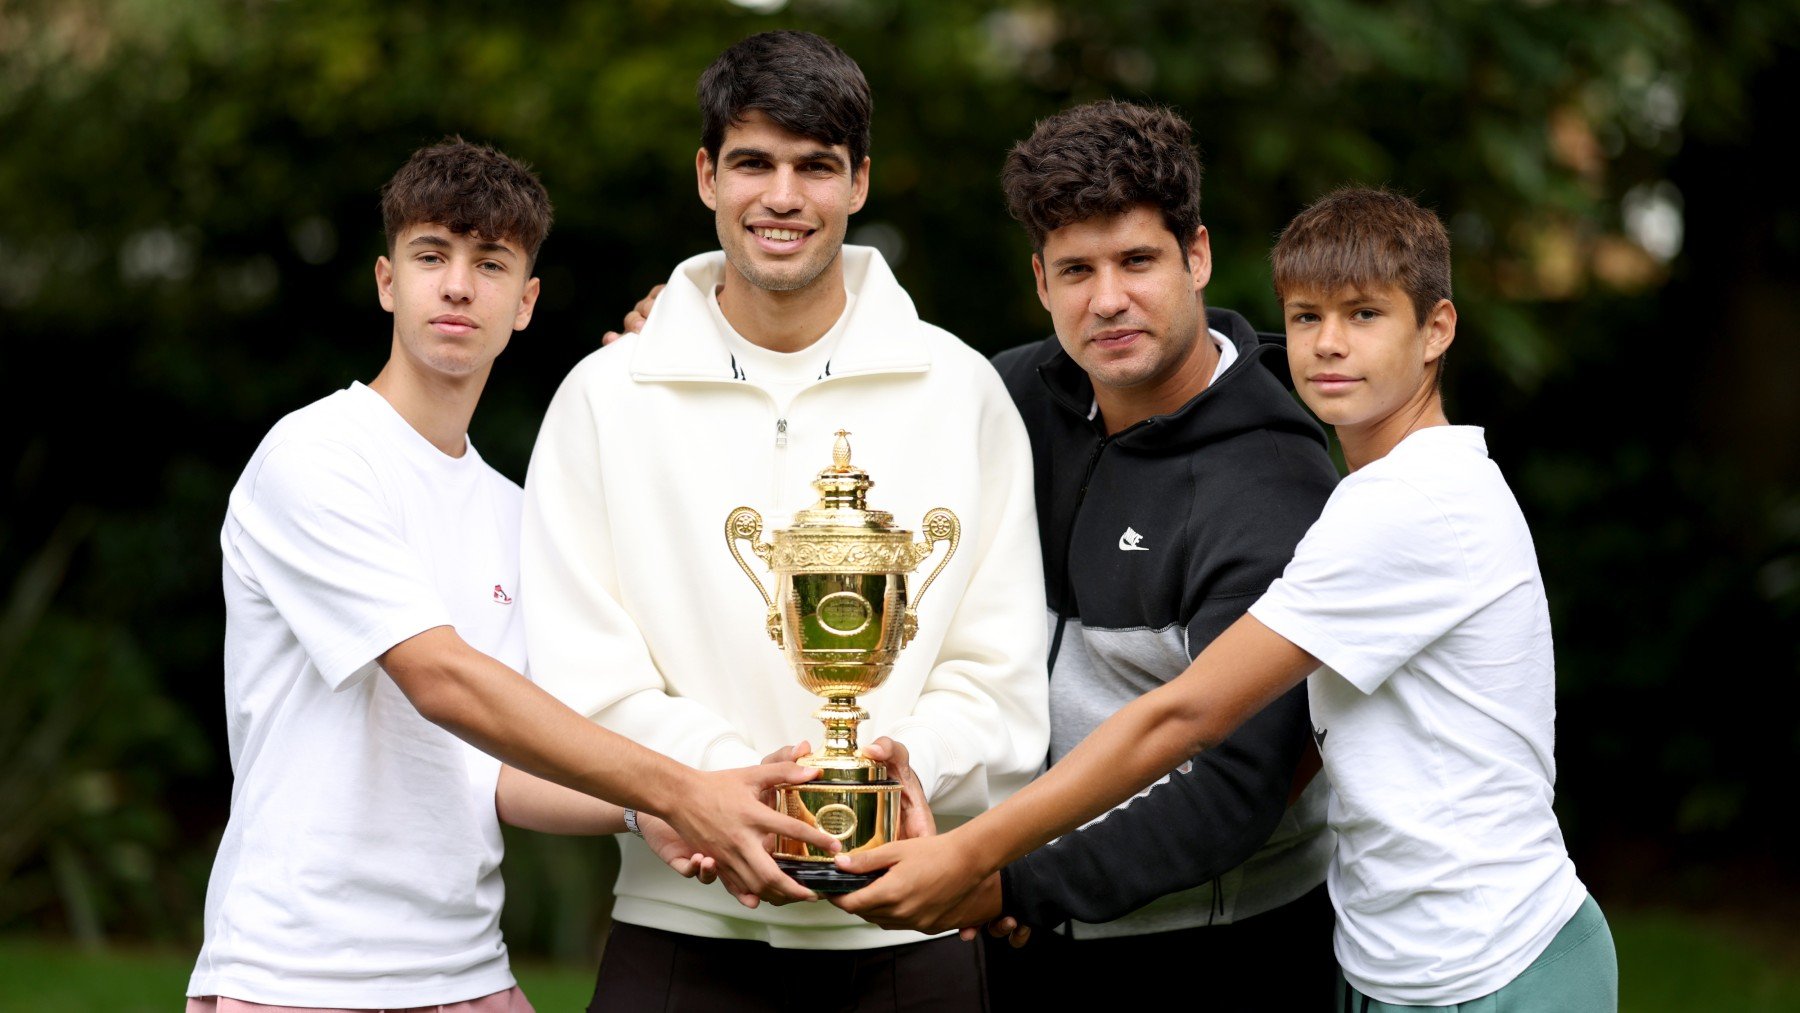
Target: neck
[
  {"x": 437, "y": 406},
  {"x": 1122, "y": 408},
  {"x": 784, "y": 321},
  {"x": 1368, "y": 443}
]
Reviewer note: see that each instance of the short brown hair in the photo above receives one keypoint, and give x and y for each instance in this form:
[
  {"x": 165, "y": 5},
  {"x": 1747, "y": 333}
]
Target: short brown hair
[
  {"x": 467, "y": 188},
  {"x": 1363, "y": 238},
  {"x": 797, "y": 79},
  {"x": 1104, "y": 158}
]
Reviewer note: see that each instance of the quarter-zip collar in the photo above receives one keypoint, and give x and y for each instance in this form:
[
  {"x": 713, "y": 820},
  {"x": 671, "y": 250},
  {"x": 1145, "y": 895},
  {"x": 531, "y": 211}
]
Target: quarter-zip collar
[{"x": 681, "y": 342}]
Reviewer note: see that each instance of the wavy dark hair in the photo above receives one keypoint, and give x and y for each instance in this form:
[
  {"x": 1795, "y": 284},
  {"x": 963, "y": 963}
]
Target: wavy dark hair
[
  {"x": 468, "y": 188},
  {"x": 799, "y": 80},
  {"x": 1104, "y": 158}
]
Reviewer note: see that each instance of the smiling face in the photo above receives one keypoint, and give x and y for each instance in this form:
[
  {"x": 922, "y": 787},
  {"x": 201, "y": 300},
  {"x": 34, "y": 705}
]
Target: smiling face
[
  {"x": 1127, "y": 308},
  {"x": 781, "y": 202},
  {"x": 1364, "y": 364},
  {"x": 456, "y": 299}
]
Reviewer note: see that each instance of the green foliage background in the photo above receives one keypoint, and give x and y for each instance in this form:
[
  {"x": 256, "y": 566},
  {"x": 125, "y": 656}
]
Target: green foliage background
[{"x": 188, "y": 217}]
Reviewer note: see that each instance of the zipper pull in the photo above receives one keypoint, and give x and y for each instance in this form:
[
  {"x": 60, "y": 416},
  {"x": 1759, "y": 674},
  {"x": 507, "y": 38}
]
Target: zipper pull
[{"x": 781, "y": 432}]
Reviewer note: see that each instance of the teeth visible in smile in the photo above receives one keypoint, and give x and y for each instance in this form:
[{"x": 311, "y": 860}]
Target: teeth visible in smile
[{"x": 779, "y": 235}]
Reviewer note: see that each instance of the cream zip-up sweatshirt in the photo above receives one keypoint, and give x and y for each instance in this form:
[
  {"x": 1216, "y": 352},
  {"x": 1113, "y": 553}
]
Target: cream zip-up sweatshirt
[{"x": 640, "y": 617}]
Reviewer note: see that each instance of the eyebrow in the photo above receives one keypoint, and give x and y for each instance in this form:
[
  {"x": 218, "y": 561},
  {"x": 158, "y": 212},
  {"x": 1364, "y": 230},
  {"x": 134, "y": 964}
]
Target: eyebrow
[
  {"x": 816, "y": 155},
  {"x": 1352, "y": 298},
  {"x": 1136, "y": 251},
  {"x": 438, "y": 242}
]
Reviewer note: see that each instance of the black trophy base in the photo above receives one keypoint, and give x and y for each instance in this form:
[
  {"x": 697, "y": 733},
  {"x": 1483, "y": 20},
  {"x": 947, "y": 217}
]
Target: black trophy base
[{"x": 824, "y": 877}]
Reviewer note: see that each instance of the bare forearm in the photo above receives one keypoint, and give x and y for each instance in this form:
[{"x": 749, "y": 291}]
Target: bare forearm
[
  {"x": 522, "y": 800},
  {"x": 1120, "y": 757},
  {"x": 1241, "y": 672},
  {"x": 503, "y": 714}
]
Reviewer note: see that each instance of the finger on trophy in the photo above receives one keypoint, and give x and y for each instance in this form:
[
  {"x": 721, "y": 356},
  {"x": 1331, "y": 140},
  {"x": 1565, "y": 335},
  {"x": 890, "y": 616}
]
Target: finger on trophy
[
  {"x": 789, "y": 754},
  {"x": 777, "y": 888},
  {"x": 916, "y": 817}
]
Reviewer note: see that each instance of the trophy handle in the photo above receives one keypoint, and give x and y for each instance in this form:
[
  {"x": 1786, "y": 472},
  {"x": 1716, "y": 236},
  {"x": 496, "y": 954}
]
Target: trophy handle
[
  {"x": 745, "y": 523},
  {"x": 940, "y": 525}
]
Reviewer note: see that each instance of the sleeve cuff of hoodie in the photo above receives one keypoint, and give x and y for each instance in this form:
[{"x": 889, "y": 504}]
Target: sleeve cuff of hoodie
[{"x": 1024, "y": 895}]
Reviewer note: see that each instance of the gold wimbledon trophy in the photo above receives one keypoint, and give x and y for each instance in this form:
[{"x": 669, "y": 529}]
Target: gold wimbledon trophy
[{"x": 841, "y": 614}]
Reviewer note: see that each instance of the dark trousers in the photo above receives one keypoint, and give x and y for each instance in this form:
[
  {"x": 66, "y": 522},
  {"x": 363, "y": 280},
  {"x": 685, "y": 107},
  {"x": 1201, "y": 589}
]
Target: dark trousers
[
  {"x": 1279, "y": 960},
  {"x": 647, "y": 970}
]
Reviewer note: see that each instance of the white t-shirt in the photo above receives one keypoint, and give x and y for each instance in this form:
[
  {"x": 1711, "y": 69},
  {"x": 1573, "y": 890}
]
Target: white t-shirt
[
  {"x": 781, "y": 374},
  {"x": 361, "y": 863},
  {"x": 1418, "y": 588}
]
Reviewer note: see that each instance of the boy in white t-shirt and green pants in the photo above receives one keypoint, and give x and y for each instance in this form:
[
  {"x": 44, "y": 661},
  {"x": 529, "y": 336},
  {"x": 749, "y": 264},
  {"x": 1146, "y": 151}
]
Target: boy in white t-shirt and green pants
[
  {"x": 1415, "y": 611},
  {"x": 373, "y": 660}
]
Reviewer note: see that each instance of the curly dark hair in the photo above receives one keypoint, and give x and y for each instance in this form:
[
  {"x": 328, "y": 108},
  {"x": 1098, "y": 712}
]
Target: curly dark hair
[
  {"x": 1104, "y": 158},
  {"x": 799, "y": 80},
  {"x": 467, "y": 188}
]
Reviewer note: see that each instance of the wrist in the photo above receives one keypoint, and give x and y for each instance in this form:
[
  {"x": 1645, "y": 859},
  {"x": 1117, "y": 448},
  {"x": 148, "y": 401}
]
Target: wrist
[
  {"x": 988, "y": 844},
  {"x": 667, "y": 782}
]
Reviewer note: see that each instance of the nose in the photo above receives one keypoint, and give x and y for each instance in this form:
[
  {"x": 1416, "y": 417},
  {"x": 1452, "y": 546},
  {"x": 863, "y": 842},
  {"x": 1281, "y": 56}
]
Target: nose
[
  {"x": 1110, "y": 297},
  {"x": 783, "y": 195},
  {"x": 459, "y": 281},
  {"x": 1332, "y": 340}
]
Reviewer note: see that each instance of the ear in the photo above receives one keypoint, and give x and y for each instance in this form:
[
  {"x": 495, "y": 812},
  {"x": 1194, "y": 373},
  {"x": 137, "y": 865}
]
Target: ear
[
  {"x": 527, "y": 303},
  {"x": 1199, "y": 258},
  {"x": 859, "y": 186},
  {"x": 384, "y": 283},
  {"x": 706, "y": 177},
  {"x": 1440, "y": 329},
  {"x": 1037, "y": 271}
]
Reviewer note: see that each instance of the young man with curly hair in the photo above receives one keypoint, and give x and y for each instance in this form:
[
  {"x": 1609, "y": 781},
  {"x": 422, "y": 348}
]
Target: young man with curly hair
[
  {"x": 373, "y": 651},
  {"x": 1174, "y": 476}
]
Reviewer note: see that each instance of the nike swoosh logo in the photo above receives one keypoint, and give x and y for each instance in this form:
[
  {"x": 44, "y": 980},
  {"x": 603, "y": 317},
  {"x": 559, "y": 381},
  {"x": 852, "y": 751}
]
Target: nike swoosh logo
[{"x": 1128, "y": 542}]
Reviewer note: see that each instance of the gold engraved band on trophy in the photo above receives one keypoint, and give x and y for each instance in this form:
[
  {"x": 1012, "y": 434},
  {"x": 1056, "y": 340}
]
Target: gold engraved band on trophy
[{"x": 841, "y": 611}]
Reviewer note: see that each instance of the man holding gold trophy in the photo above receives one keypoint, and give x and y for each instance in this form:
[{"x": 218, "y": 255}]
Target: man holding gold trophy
[{"x": 899, "y": 563}]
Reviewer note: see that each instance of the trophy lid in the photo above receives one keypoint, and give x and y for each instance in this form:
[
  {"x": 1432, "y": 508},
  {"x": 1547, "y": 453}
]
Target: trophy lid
[{"x": 843, "y": 496}]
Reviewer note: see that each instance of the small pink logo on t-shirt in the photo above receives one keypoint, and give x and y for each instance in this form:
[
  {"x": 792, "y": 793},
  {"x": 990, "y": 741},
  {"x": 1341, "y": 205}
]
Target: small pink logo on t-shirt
[{"x": 500, "y": 596}]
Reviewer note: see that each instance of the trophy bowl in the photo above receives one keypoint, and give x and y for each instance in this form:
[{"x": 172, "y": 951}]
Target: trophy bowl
[{"x": 841, "y": 610}]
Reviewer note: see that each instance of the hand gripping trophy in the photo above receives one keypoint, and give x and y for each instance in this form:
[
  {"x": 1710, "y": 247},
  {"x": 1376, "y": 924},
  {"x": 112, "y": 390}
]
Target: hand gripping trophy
[{"x": 841, "y": 613}]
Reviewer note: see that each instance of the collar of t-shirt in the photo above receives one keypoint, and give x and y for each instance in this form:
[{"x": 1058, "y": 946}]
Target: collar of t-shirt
[
  {"x": 782, "y": 374},
  {"x": 409, "y": 441},
  {"x": 1228, "y": 354}
]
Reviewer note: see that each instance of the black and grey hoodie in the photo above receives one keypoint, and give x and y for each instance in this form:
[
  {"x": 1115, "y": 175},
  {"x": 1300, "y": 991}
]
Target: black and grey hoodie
[{"x": 1155, "y": 539}]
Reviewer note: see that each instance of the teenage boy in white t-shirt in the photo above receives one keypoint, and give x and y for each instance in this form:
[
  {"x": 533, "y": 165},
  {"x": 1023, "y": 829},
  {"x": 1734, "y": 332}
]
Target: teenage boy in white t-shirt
[
  {"x": 1416, "y": 607},
  {"x": 373, "y": 651}
]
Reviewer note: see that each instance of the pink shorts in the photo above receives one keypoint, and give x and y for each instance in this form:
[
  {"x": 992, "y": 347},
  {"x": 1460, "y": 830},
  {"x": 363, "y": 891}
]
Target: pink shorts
[{"x": 510, "y": 1001}]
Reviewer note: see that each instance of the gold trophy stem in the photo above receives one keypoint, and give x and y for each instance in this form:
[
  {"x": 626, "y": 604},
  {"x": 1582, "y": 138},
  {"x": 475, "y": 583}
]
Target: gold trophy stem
[{"x": 841, "y": 716}]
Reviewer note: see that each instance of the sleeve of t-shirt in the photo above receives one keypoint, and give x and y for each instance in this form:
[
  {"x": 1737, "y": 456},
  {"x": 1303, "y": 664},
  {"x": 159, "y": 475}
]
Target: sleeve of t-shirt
[
  {"x": 328, "y": 553},
  {"x": 1378, "y": 577}
]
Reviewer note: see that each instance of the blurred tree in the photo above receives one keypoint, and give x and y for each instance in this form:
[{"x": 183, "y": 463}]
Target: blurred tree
[{"x": 188, "y": 215}]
